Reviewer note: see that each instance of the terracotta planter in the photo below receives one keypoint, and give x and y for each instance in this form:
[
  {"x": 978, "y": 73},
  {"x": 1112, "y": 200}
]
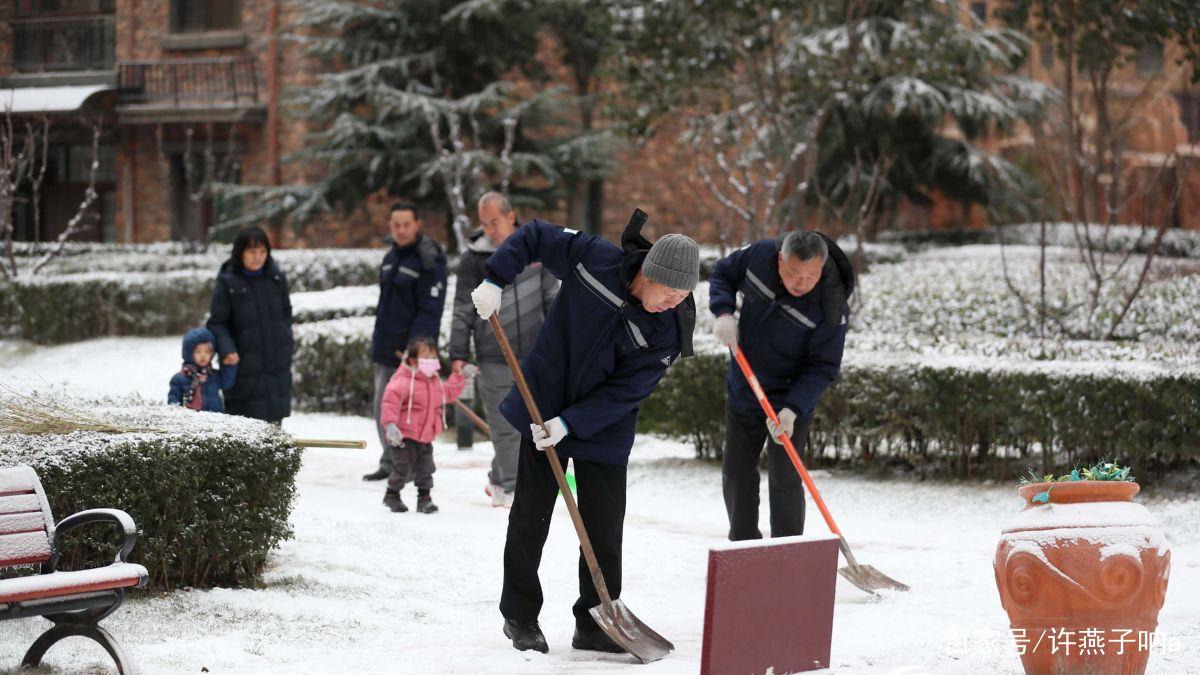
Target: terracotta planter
[{"x": 1083, "y": 578}]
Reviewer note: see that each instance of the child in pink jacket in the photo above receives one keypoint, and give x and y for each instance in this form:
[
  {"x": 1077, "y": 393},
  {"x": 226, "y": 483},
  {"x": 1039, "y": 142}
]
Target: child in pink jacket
[{"x": 413, "y": 413}]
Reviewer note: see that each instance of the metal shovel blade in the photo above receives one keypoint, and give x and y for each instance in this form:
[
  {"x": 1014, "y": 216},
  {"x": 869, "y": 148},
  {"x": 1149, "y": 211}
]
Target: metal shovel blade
[
  {"x": 628, "y": 631},
  {"x": 870, "y": 579}
]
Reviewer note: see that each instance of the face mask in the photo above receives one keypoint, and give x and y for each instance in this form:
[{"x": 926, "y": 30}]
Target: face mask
[{"x": 428, "y": 367}]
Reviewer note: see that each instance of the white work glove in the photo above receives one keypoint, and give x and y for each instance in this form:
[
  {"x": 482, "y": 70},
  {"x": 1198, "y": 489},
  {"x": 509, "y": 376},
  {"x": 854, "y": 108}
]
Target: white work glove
[
  {"x": 558, "y": 431},
  {"x": 725, "y": 330},
  {"x": 486, "y": 297},
  {"x": 787, "y": 424},
  {"x": 394, "y": 435}
]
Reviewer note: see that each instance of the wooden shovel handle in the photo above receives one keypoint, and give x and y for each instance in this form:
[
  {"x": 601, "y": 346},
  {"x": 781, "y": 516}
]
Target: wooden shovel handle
[
  {"x": 328, "y": 443},
  {"x": 585, "y": 543},
  {"x": 475, "y": 419}
]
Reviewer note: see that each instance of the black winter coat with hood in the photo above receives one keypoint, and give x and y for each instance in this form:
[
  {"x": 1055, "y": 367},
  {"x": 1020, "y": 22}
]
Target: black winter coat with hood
[{"x": 251, "y": 314}]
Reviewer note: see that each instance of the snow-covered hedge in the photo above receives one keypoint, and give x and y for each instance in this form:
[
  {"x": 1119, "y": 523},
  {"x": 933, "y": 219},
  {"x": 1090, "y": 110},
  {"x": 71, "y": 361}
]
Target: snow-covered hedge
[
  {"x": 211, "y": 494},
  {"x": 151, "y": 292},
  {"x": 1175, "y": 243},
  {"x": 307, "y": 269},
  {"x": 56, "y": 309},
  {"x": 335, "y": 303},
  {"x": 965, "y": 416},
  {"x": 332, "y": 366},
  {"x": 949, "y": 294}
]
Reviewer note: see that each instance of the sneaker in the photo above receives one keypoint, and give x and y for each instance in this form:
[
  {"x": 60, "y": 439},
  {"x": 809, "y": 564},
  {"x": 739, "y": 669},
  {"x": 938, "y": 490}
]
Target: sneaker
[
  {"x": 596, "y": 640},
  {"x": 425, "y": 503},
  {"x": 379, "y": 474},
  {"x": 391, "y": 499},
  {"x": 501, "y": 498},
  {"x": 525, "y": 636}
]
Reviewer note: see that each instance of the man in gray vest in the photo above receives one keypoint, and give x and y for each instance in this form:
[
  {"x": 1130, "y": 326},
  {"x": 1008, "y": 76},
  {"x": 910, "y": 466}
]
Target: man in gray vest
[{"x": 523, "y": 307}]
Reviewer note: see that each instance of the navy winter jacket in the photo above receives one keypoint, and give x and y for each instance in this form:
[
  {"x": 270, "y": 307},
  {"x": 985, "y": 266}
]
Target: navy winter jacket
[
  {"x": 599, "y": 354},
  {"x": 412, "y": 295},
  {"x": 217, "y": 381},
  {"x": 793, "y": 344},
  {"x": 251, "y": 314}
]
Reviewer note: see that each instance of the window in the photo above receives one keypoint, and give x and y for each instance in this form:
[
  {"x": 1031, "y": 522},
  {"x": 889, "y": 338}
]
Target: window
[
  {"x": 35, "y": 8},
  {"x": 979, "y": 9},
  {"x": 63, "y": 35},
  {"x": 199, "y": 16},
  {"x": 68, "y": 170},
  {"x": 194, "y": 211}
]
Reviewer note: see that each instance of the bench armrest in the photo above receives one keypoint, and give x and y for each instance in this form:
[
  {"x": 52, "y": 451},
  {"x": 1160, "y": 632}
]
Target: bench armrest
[{"x": 129, "y": 537}]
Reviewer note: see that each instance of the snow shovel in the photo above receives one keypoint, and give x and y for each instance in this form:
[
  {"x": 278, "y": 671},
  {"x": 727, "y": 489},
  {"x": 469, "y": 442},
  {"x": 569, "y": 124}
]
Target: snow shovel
[
  {"x": 612, "y": 616},
  {"x": 865, "y": 577}
]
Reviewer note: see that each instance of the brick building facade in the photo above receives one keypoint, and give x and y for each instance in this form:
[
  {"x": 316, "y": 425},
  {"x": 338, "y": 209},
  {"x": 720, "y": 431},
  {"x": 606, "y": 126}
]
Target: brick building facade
[{"x": 190, "y": 90}]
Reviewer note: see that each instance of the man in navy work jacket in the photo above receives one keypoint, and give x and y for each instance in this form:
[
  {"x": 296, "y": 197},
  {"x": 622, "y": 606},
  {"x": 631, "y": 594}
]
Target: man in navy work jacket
[
  {"x": 622, "y": 316},
  {"x": 792, "y": 329},
  {"x": 412, "y": 295}
]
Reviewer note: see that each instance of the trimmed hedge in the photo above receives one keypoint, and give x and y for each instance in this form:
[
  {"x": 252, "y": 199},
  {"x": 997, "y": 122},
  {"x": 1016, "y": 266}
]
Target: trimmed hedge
[
  {"x": 138, "y": 293},
  {"x": 956, "y": 416},
  {"x": 1175, "y": 243},
  {"x": 211, "y": 495},
  {"x": 964, "y": 418},
  {"x": 331, "y": 366},
  {"x": 50, "y": 310}
]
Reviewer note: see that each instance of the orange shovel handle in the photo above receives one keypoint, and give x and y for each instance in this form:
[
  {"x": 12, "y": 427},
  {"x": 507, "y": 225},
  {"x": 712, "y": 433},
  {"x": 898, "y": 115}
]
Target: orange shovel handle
[{"x": 787, "y": 441}]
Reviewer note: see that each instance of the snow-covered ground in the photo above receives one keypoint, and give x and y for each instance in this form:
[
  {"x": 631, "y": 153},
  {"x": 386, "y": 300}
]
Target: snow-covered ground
[{"x": 363, "y": 590}]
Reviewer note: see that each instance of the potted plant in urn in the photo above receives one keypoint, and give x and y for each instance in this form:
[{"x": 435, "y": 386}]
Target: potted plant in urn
[{"x": 1082, "y": 572}]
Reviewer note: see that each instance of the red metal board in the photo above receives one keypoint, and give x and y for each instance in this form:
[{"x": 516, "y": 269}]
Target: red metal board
[{"x": 770, "y": 605}]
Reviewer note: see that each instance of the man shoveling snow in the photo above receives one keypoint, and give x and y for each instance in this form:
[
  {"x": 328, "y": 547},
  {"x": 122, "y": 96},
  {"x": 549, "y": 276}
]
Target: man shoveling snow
[{"x": 622, "y": 317}]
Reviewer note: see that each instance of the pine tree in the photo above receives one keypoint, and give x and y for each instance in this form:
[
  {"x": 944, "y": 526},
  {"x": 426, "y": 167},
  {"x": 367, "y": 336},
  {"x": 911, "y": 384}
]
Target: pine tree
[
  {"x": 844, "y": 107},
  {"x": 416, "y": 104}
]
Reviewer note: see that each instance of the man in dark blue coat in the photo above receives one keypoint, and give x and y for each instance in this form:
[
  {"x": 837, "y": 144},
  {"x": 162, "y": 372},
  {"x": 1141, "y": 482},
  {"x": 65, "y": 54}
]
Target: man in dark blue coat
[
  {"x": 792, "y": 329},
  {"x": 622, "y": 316},
  {"x": 412, "y": 295}
]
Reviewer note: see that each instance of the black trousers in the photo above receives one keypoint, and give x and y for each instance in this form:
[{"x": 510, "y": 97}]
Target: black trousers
[
  {"x": 601, "y": 492},
  {"x": 745, "y": 433}
]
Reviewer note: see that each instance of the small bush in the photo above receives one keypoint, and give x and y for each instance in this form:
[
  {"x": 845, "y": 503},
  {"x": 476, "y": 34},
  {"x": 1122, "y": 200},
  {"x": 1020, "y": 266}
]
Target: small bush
[
  {"x": 332, "y": 366},
  {"x": 689, "y": 404},
  {"x": 211, "y": 494}
]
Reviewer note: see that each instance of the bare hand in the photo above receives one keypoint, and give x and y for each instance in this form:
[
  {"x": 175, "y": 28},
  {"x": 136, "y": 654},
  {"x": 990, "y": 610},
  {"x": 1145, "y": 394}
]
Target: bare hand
[
  {"x": 456, "y": 366},
  {"x": 230, "y": 359}
]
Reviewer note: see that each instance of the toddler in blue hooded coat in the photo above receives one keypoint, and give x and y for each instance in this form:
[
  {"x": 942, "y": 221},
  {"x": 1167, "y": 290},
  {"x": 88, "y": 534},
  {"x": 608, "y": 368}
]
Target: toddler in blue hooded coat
[{"x": 197, "y": 385}]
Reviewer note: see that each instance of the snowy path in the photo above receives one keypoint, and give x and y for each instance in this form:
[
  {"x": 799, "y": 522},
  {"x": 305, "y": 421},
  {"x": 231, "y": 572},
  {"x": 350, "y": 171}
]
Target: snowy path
[{"x": 363, "y": 590}]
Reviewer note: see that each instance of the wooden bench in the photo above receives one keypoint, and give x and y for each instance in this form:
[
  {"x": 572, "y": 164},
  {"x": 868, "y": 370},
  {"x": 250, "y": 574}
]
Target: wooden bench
[{"x": 74, "y": 601}]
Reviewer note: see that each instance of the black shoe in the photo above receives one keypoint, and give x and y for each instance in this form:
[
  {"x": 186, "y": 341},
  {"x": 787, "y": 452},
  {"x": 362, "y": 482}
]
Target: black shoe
[
  {"x": 595, "y": 640},
  {"x": 379, "y": 474},
  {"x": 391, "y": 499},
  {"x": 525, "y": 636},
  {"x": 425, "y": 503}
]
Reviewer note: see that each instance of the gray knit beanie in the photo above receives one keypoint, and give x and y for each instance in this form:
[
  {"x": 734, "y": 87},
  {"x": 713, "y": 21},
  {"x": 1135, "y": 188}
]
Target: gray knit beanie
[{"x": 673, "y": 261}]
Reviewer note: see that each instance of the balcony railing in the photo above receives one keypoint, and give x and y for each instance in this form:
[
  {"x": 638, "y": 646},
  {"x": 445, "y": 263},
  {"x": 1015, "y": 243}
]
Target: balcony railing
[
  {"x": 217, "y": 80},
  {"x": 63, "y": 44}
]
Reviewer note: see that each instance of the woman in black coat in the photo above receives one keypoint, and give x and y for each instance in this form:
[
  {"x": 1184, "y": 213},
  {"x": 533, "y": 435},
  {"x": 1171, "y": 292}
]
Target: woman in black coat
[{"x": 251, "y": 317}]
